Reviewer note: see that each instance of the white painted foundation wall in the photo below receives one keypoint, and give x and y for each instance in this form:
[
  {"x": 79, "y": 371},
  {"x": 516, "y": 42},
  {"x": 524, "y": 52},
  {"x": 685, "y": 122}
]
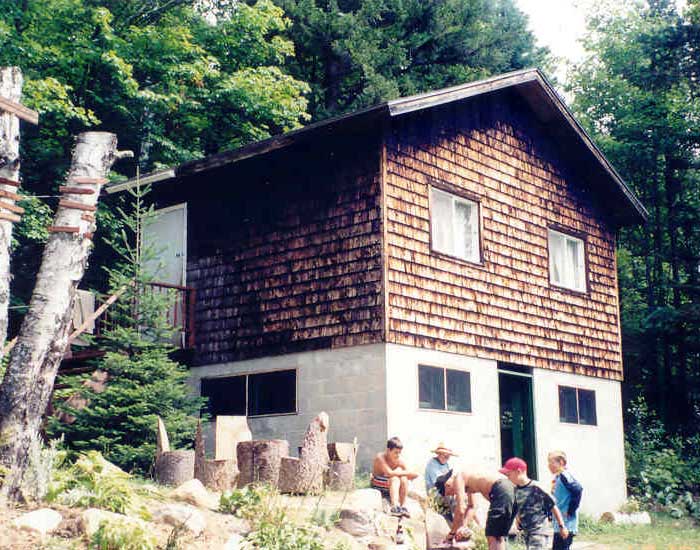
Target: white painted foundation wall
[{"x": 371, "y": 392}]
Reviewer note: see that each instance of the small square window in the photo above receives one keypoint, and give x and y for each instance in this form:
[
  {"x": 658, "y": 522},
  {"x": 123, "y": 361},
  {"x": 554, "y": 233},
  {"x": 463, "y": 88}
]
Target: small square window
[
  {"x": 431, "y": 391},
  {"x": 444, "y": 389},
  {"x": 251, "y": 394},
  {"x": 272, "y": 393},
  {"x": 577, "y": 406},
  {"x": 454, "y": 225},
  {"x": 567, "y": 264},
  {"x": 226, "y": 395}
]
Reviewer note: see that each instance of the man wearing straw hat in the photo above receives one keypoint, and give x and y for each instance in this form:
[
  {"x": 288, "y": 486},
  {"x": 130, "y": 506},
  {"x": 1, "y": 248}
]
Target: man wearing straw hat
[{"x": 437, "y": 465}]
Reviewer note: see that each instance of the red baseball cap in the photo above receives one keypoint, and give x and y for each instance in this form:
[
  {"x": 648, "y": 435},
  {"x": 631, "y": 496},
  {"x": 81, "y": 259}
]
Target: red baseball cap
[{"x": 514, "y": 465}]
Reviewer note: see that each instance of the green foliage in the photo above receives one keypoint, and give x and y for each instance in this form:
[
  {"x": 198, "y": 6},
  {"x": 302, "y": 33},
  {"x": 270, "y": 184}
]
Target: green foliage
[
  {"x": 359, "y": 52},
  {"x": 638, "y": 93},
  {"x": 284, "y": 536},
  {"x": 662, "y": 471},
  {"x": 92, "y": 482},
  {"x": 245, "y": 502},
  {"x": 115, "y": 535},
  {"x": 144, "y": 382}
]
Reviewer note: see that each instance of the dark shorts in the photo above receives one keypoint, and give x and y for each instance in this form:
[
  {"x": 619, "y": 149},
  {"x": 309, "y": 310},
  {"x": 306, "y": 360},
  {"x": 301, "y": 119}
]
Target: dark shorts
[
  {"x": 502, "y": 509},
  {"x": 560, "y": 543}
]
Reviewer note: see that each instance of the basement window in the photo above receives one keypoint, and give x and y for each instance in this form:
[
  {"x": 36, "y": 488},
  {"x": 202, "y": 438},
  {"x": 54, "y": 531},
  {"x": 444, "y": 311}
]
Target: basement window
[
  {"x": 454, "y": 225},
  {"x": 444, "y": 389},
  {"x": 577, "y": 406},
  {"x": 567, "y": 264},
  {"x": 251, "y": 394}
]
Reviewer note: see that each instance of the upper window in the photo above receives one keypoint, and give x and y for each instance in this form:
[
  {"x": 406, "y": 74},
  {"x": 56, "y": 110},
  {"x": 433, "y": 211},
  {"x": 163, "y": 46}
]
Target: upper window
[
  {"x": 577, "y": 406},
  {"x": 567, "y": 264},
  {"x": 444, "y": 389},
  {"x": 251, "y": 394},
  {"x": 454, "y": 225}
]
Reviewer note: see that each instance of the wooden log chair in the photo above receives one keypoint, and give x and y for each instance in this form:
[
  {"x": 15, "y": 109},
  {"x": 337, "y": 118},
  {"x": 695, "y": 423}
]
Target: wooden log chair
[
  {"x": 305, "y": 475},
  {"x": 340, "y": 475},
  {"x": 216, "y": 474},
  {"x": 172, "y": 467},
  {"x": 259, "y": 461}
]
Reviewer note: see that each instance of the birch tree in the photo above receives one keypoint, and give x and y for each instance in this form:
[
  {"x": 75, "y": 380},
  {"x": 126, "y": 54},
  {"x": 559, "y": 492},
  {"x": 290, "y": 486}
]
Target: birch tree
[
  {"x": 43, "y": 338},
  {"x": 10, "y": 88}
]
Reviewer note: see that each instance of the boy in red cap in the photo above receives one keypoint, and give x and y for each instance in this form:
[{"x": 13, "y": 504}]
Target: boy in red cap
[{"x": 534, "y": 506}]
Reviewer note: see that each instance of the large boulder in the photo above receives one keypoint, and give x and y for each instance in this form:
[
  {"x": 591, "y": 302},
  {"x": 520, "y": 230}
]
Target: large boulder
[
  {"x": 41, "y": 521},
  {"x": 358, "y": 522},
  {"x": 234, "y": 542},
  {"x": 181, "y": 515},
  {"x": 193, "y": 492}
]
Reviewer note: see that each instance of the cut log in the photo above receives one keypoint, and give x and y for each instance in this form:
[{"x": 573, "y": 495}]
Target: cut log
[
  {"x": 305, "y": 475},
  {"x": 43, "y": 336},
  {"x": 341, "y": 452},
  {"x": 162, "y": 442},
  {"x": 228, "y": 432},
  {"x": 259, "y": 460},
  {"x": 219, "y": 475},
  {"x": 340, "y": 476},
  {"x": 174, "y": 467}
]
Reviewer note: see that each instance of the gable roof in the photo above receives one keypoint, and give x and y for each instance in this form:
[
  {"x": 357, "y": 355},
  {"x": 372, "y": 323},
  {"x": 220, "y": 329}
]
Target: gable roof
[{"x": 530, "y": 84}]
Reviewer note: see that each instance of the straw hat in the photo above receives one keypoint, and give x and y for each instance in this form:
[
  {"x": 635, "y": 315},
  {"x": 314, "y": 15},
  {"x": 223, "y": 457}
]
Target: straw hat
[{"x": 443, "y": 449}]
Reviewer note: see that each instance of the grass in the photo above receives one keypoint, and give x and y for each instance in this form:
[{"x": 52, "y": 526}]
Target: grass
[{"x": 665, "y": 533}]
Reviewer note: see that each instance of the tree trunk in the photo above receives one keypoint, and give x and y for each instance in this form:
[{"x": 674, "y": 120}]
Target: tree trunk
[
  {"x": 10, "y": 88},
  {"x": 43, "y": 337},
  {"x": 174, "y": 467}
]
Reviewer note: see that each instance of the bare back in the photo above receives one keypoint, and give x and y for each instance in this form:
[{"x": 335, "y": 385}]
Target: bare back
[{"x": 476, "y": 481}]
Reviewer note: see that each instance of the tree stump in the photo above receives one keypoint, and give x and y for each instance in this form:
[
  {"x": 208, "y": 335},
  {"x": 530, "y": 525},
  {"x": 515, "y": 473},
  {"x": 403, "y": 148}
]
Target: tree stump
[
  {"x": 217, "y": 475},
  {"x": 259, "y": 460},
  {"x": 304, "y": 475},
  {"x": 174, "y": 467},
  {"x": 341, "y": 476}
]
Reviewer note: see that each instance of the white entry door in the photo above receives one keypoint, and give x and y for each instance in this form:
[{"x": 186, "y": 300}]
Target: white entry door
[{"x": 166, "y": 235}]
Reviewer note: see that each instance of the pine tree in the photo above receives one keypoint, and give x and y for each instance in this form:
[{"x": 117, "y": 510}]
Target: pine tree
[{"x": 143, "y": 380}]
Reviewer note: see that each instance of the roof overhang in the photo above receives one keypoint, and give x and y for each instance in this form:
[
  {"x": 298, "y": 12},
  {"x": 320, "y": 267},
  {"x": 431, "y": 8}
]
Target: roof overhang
[{"x": 530, "y": 84}]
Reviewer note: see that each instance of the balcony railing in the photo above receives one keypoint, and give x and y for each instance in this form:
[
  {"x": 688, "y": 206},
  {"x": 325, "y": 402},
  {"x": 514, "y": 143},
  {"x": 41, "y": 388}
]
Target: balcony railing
[{"x": 179, "y": 316}]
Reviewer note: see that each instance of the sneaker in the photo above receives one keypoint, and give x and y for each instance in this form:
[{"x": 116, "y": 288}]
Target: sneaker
[
  {"x": 404, "y": 512},
  {"x": 396, "y": 511}
]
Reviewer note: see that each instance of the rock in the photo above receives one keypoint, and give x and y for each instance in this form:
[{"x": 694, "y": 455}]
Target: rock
[
  {"x": 41, "y": 521},
  {"x": 234, "y": 542},
  {"x": 364, "y": 499},
  {"x": 415, "y": 509},
  {"x": 93, "y": 517},
  {"x": 416, "y": 490},
  {"x": 436, "y": 529},
  {"x": 358, "y": 523},
  {"x": 619, "y": 518},
  {"x": 193, "y": 492},
  {"x": 181, "y": 514}
]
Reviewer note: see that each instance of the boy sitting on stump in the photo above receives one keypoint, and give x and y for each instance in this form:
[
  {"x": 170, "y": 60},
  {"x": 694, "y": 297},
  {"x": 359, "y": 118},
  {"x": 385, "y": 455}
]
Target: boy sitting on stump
[{"x": 391, "y": 476}]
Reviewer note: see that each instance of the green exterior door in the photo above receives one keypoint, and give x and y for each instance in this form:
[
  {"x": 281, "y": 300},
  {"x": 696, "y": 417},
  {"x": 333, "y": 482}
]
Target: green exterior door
[{"x": 517, "y": 419}]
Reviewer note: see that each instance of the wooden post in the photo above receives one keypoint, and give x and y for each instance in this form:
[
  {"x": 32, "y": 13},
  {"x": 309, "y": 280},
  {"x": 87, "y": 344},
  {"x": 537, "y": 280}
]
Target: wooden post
[
  {"x": 10, "y": 94},
  {"x": 305, "y": 475},
  {"x": 43, "y": 337}
]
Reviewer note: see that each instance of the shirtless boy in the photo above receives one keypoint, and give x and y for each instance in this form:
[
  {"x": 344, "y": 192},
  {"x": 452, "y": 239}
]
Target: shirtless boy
[
  {"x": 391, "y": 477},
  {"x": 495, "y": 488}
]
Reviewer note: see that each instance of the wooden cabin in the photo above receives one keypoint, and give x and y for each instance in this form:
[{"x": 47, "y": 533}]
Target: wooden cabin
[{"x": 439, "y": 267}]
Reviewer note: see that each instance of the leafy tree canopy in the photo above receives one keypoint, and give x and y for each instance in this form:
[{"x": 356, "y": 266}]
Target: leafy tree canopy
[
  {"x": 355, "y": 53},
  {"x": 638, "y": 92}
]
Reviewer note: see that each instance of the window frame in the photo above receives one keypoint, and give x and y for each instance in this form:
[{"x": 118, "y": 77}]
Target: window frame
[
  {"x": 444, "y": 389},
  {"x": 247, "y": 375},
  {"x": 575, "y": 236},
  {"x": 578, "y": 405},
  {"x": 464, "y": 197}
]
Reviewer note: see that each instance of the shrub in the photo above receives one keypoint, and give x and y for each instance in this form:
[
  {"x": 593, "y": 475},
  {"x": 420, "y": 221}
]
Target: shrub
[
  {"x": 93, "y": 482},
  {"x": 244, "y": 503},
  {"x": 116, "y": 535},
  {"x": 284, "y": 536}
]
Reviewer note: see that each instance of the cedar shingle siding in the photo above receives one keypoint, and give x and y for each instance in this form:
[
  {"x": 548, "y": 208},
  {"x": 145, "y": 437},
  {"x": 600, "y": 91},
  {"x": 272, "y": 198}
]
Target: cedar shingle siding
[
  {"x": 504, "y": 309},
  {"x": 285, "y": 254}
]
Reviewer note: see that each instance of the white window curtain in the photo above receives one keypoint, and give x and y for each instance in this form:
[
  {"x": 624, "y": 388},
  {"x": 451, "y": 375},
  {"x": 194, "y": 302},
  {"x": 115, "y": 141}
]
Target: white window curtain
[
  {"x": 454, "y": 225},
  {"x": 566, "y": 261}
]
